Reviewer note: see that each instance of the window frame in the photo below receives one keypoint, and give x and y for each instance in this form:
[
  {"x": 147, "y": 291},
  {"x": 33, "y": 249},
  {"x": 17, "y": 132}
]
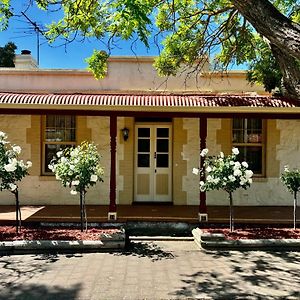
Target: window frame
[
  {"x": 261, "y": 144},
  {"x": 44, "y": 142}
]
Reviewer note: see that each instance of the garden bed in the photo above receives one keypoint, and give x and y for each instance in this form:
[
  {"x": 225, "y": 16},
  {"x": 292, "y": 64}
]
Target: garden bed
[
  {"x": 8, "y": 233},
  {"x": 256, "y": 233}
]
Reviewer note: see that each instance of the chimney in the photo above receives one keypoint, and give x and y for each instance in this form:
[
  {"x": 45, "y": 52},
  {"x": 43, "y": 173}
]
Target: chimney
[{"x": 25, "y": 60}]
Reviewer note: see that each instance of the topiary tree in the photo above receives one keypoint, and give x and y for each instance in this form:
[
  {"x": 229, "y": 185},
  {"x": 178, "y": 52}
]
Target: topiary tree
[
  {"x": 291, "y": 179},
  {"x": 12, "y": 170},
  {"x": 225, "y": 173},
  {"x": 78, "y": 168}
]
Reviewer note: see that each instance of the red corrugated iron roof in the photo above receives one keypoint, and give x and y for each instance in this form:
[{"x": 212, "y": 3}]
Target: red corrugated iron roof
[{"x": 146, "y": 100}]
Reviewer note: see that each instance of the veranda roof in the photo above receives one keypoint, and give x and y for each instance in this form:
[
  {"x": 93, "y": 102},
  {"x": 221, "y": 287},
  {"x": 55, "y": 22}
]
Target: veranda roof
[{"x": 146, "y": 103}]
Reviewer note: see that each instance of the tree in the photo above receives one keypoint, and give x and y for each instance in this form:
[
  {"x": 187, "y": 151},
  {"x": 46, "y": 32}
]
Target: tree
[
  {"x": 229, "y": 31},
  {"x": 7, "y": 55},
  {"x": 291, "y": 179},
  {"x": 224, "y": 173},
  {"x": 78, "y": 169},
  {"x": 12, "y": 170}
]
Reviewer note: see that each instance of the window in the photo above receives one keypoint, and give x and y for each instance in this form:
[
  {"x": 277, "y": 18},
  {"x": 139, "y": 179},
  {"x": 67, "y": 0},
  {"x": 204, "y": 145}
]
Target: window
[
  {"x": 59, "y": 132},
  {"x": 248, "y": 137}
]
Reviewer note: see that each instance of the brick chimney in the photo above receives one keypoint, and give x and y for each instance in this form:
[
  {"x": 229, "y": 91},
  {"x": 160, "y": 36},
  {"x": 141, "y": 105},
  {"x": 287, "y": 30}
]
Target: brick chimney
[{"x": 25, "y": 60}]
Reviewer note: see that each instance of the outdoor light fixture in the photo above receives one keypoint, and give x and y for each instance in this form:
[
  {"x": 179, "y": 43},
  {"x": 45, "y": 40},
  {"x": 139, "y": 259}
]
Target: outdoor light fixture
[{"x": 125, "y": 132}]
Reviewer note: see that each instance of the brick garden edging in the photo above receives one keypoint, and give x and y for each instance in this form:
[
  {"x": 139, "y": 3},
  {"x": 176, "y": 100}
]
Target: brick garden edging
[
  {"x": 218, "y": 241},
  {"x": 107, "y": 242}
]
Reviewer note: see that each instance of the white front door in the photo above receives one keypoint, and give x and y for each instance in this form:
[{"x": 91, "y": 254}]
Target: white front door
[{"x": 153, "y": 163}]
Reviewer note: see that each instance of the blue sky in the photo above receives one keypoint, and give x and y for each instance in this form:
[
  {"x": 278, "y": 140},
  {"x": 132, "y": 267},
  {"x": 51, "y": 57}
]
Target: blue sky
[{"x": 71, "y": 57}]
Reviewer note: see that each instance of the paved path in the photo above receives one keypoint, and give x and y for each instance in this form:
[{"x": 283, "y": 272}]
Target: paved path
[{"x": 152, "y": 270}]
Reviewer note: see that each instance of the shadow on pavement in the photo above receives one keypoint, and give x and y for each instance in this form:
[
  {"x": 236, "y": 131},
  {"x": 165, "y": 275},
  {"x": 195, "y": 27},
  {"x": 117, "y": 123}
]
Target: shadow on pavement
[
  {"x": 38, "y": 292},
  {"x": 242, "y": 275},
  {"x": 146, "y": 249}
]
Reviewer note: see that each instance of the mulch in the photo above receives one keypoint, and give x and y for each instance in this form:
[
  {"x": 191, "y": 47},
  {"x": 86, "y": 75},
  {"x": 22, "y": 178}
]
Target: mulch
[
  {"x": 8, "y": 233},
  {"x": 257, "y": 233}
]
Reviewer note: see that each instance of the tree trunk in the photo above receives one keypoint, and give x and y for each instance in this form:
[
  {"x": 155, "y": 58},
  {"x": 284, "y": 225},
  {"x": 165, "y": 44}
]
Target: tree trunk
[
  {"x": 231, "y": 225},
  {"x": 284, "y": 38},
  {"x": 272, "y": 24},
  {"x": 81, "y": 211},
  {"x": 295, "y": 209},
  {"x": 18, "y": 210},
  {"x": 83, "y": 215},
  {"x": 290, "y": 71}
]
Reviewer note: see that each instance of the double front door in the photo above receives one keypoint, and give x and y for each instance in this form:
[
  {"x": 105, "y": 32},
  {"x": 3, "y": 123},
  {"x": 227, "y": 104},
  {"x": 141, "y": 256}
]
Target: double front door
[{"x": 153, "y": 163}]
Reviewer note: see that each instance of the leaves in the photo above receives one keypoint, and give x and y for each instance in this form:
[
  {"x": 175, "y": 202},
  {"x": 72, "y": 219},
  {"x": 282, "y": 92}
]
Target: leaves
[
  {"x": 7, "y": 55},
  {"x": 12, "y": 169},
  {"x": 291, "y": 179},
  {"x": 78, "y": 168},
  {"x": 225, "y": 172}
]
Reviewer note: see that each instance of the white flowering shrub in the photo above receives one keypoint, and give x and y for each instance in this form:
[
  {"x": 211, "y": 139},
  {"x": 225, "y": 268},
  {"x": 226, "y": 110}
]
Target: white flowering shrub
[
  {"x": 224, "y": 172},
  {"x": 291, "y": 179},
  {"x": 12, "y": 170},
  {"x": 78, "y": 168}
]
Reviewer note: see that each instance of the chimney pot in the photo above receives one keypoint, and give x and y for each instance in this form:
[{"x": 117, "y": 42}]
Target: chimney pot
[{"x": 25, "y": 52}]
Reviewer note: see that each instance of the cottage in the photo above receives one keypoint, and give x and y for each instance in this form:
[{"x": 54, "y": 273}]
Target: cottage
[{"x": 149, "y": 131}]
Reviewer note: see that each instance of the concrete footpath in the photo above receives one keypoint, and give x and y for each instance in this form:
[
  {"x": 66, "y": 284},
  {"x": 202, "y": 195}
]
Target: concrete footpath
[{"x": 152, "y": 270}]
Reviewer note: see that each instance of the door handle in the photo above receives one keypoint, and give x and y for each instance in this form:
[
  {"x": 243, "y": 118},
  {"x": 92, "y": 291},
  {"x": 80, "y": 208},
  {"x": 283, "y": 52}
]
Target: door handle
[{"x": 154, "y": 155}]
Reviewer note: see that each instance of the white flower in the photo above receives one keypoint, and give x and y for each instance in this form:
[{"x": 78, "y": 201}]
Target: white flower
[
  {"x": 204, "y": 152},
  {"x": 2, "y": 134},
  {"x": 195, "y": 171},
  {"x": 250, "y": 180},
  {"x": 231, "y": 163},
  {"x": 237, "y": 172},
  {"x": 208, "y": 169},
  {"x": 286, "y": 168},
  {"x": 12, "y": 166},
  {"x": 59, "y": 153},
  {"x": 63, "y": 159},
  {"x": 17, "y": 149},
  {"x": 73, "y": 192},
  {"x": 75, "y": 182},
  {"x": 248, "y": 174},
  {"x": 51, "y": 167},
  {"x": 244, "y": 164},
  {"x": 201, "y": 183},
  {"x": 231, "y": 178},
  {"x": 222, "y": 154},
  {"x": 29, "y": 164},
  {"x": 235, "y": 151},
  {"x": 94, "y": 178},
  {"x": 242, "y": 182},
  {"x": 209, "y": 178},
  {"x": 216, "y": 180},
  {"x": 237, "y": 165},
  {"x": 72, "y": 167},
  {"x": 57, "y": 177},
  {"x": 12, "y": 186}
]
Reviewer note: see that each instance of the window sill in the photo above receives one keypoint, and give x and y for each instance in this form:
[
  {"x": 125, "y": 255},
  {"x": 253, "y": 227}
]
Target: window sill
[
  {"x": 260, "y": 179},
  {"x": 47, "y": 178}
]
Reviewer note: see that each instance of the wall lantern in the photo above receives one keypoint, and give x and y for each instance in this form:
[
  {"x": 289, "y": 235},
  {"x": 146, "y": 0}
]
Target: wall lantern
[{"x": 125, "y": 132}]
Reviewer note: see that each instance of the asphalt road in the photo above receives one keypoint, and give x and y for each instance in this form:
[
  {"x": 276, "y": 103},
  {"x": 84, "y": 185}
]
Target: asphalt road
[{"x": 152, "y": 270}]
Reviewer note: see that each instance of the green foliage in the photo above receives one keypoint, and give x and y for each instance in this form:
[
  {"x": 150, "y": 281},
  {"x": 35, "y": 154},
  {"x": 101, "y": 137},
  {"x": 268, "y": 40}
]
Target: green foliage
[
  {"x": 98, "y": 63},
  {"x": 264, "y": 69},
  {"x": 190, "y": 31},
  {"x": 12, "y": 169},
  {"x": 78, "y": 168},
  {"x": 7, "y": 55},
  {"x": 225, "y": 172},
  {"x": 5, "y": 13},
  {"x": 291, "y": 179}
]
